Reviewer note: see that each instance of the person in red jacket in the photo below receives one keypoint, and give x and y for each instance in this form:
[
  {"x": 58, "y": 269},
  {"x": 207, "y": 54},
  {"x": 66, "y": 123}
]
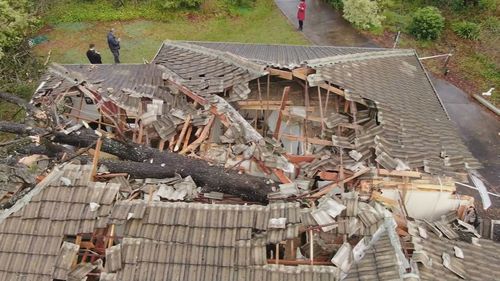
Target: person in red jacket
[{"x": 301, "y": 13}]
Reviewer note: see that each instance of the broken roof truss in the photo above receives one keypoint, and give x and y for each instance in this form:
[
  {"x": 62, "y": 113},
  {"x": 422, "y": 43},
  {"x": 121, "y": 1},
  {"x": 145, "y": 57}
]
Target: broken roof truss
[{"x": 339, "y": 135}]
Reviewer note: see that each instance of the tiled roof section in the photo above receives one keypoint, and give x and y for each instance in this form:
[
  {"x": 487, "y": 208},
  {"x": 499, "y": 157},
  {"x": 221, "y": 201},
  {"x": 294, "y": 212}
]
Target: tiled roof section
[
  {"x": 413, "y": 126},
  {"x": 378, "y": 264},
  {"x": 145, "y": 79},
  {"x": 358, "y": 218},
  {"x": 282, "y": 56},
  {"x": 143, "y": 259},
  {"x": 64, "y": 260},
  {"x": 193, "y": 241},
  {"x": 206, "y": 71},
  {"x": 204, "y": 224},
  {"x": 479, "y": 263},
  {"x": 31, "y": 238}
]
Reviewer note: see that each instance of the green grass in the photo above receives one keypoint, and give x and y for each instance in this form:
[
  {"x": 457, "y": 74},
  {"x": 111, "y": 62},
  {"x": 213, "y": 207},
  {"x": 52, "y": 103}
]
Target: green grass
[
  {"x": 101, "y": 10},
  {"x": 480, "y": 68},
  {"x": 141, "y": 37}
]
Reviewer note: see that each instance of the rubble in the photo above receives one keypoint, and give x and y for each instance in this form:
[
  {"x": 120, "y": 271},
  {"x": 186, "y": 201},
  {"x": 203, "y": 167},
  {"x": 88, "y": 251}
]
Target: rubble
[{"x": 226, "y": 161}]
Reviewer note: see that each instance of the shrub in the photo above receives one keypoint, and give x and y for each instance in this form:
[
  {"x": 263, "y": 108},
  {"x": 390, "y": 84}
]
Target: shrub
[
  {"x": 467, "y": 30},
  {"x": 426, "y": 23},
  {"x": 362, "y": 13},
  {"x": 241, "y": 3},
  {"x": 458, "y": 5},
  {"x": 175, "y": 4},
  {"x": 488, "y": 5},
  {"x": 337, "y": 4}
]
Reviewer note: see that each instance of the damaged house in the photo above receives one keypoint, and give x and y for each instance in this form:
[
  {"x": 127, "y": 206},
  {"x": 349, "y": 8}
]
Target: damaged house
[{"x": 229, "y": 161}]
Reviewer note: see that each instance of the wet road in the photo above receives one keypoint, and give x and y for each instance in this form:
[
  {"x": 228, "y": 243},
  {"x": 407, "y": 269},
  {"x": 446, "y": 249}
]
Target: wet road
[
  {"x": 479, "y": 129},
  {"x": 324, "y": 25}
]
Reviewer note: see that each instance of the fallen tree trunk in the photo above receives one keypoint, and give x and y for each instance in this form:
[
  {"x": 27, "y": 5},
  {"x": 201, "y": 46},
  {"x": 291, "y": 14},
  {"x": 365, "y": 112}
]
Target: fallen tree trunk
[
  {"x": 17, "y": 101},
  {"x": 209, "y": 178},
  {"x": 147, "y": 162},
  {"x": 20, "y": 129}
]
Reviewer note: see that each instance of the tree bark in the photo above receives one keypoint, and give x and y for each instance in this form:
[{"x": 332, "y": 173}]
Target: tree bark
[
  {"x": 20, "y": 129},
  {"x": 147, "y": 162},
  {"x": 209, "y": 178},
  {"x": 16, "y": 100}
]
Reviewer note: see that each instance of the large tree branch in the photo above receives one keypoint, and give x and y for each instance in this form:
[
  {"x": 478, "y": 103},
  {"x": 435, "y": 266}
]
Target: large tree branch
[
  {"x": 17, "y": 101},
  {"x": 20, "y": 129},
  {"x": 150, "y": 162}
]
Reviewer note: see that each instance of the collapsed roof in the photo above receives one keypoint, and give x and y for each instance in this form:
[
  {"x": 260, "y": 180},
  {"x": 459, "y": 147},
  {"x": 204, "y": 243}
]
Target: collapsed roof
[
  {"x": 403, "y": 121},
  {"x": 300, "y": 186}
]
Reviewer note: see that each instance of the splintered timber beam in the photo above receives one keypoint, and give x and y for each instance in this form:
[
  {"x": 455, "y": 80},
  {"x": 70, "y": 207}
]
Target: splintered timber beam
[
  {"x": 321, "y": 112},
  {"x": 260, "y": 95},
  {"x": 330, "y": 187},
  {"x": 188, "y": 92},
  {"x": 411, "y": 174},
  {"x": 183, "y": 133},
  {"x": 299, "y": 262},
  {"x": 302, "y": 72},
  {"x": 188, "y": 135},
  {"x": 281, "y": 73},
  {"x": 201, "y": 138},
  {"x": 332, "y": 89},
  {"x": 260, "y": 104},
  {"x": 306, "y": 90},
  {"x": 326, "y": 101},
  {"x": 266, "y": 115},
  {"x": 310, "y": 140},
  {"x": 284, "y": 98},
  {"x": 96, "y": 158},
  {"x": 311, "y": 247}
]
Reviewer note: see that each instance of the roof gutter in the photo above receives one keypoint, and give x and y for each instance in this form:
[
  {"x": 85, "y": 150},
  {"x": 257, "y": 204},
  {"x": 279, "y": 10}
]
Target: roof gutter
[{"x": 432, "y": 85}]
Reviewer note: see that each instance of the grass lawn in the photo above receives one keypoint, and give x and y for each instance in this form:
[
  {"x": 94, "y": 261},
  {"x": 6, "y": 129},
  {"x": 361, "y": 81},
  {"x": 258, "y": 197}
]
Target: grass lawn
[{"x": 141, "y": 38}]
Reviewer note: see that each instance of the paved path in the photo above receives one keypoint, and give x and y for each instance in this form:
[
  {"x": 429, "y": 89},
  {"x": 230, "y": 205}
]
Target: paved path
[
  {"x": 479, "y": 129},
  {"x": 324, "y": 25}
]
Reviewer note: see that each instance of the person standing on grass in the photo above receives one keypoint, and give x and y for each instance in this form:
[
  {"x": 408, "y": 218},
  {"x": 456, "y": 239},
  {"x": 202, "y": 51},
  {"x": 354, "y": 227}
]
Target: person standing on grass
[
  {"x": 301, "y": 13},
  {"x": 114, "y": 45},
  {"x": 93, "y": 55}
]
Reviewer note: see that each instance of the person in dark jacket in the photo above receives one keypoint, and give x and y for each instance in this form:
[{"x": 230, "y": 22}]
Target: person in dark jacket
[
  {"x": 301, "y": 13},
  {"x": 114, "y": 45},
  {"x": 93, "y": 55}
]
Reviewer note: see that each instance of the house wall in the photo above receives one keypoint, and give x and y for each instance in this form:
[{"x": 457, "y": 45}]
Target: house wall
[
  {"x": 88, "y": 112},
  {"x": 429, "y": 205}
]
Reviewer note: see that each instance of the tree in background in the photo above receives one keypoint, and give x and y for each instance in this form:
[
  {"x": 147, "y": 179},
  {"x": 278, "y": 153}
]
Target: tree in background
[
  {"x": 363, "y": 14},
  {"x": 18, "y": 67},
  {"x": 15, "y": 20}
]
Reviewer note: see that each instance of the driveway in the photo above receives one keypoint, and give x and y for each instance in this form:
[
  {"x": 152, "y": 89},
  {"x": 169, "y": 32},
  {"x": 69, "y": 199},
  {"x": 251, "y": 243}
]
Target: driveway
[
  {"x": 479, "y": 129},
  {"x": 324, "y": 25}
]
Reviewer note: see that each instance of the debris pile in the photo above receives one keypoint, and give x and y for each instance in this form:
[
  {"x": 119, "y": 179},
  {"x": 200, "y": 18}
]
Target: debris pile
[{"x": 236, "y": 162}]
